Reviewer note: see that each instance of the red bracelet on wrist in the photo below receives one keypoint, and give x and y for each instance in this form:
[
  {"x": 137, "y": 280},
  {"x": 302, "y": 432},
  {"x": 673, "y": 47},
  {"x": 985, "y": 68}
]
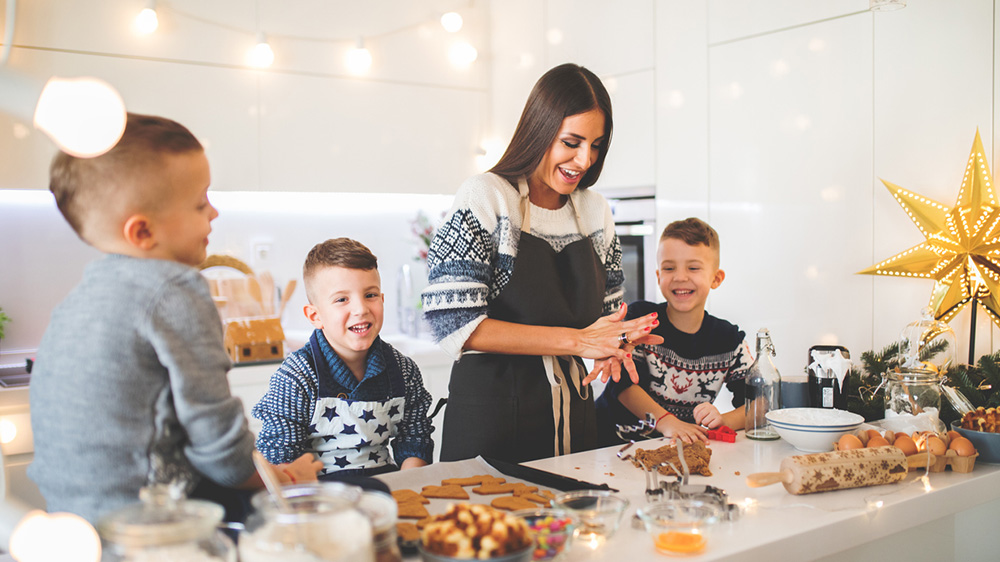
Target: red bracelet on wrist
[
  {"x": 665, "y": 414},
  {"x": 289, "y": 475}
]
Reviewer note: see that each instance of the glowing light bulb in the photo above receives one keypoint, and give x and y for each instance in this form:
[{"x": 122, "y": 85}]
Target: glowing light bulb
[
  {"x": 147, "y": 21},
  {"x": 462, "y": 54},
  {"x": 85, "y": 117},
  {"x": 8, "y": 431},
  {"x": 32, "y": 541},
  {"x": 261, "y": 55},
  {"x": 451, "y": 22},
  {"x": 359, "y": 59}
]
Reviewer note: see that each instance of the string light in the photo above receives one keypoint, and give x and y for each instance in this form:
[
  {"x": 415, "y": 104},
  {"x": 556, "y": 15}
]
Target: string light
[
  {"x": 451, "y": 22},
  {"x": 359, "y": 59},
  {"x": 462, "y": 54},
  {"x": 147, "y": 21},
  {"x": 261, "y": 55}
]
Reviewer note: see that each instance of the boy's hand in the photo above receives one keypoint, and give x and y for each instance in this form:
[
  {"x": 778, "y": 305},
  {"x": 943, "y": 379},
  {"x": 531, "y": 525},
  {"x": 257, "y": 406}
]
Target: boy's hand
[
  {"x": 707, "y": 415},
  {"x": 670, "y": 426},
  {"x": 302, "y": 469}
]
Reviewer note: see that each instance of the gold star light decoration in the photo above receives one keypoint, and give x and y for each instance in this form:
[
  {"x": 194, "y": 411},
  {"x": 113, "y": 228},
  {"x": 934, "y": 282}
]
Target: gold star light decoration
[{"x": 962, "y": 250}]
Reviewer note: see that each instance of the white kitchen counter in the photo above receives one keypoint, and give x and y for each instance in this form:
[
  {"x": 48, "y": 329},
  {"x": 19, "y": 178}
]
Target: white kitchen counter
[{"x": 954, "y": 520}]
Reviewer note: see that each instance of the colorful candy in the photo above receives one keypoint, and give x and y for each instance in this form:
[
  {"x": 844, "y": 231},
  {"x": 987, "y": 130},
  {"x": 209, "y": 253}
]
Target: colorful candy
[{"x": 551, "y": 535}]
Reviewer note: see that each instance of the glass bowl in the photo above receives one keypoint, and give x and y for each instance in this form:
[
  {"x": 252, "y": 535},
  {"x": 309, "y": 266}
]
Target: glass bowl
[
  {"x": 679, "y": 527},
  {"x": 552, "y": 529},
  {"x": 598, "y": 514}
]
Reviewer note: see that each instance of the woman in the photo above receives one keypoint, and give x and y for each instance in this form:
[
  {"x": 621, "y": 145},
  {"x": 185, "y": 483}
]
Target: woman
[{"x": 520, "y": 274}]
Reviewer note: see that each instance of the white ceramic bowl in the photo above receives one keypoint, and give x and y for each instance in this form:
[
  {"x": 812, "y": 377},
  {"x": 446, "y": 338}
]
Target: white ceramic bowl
[{"x": 813, "y": 430}]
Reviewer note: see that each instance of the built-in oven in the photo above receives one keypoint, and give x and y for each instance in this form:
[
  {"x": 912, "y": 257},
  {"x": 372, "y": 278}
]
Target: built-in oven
[{"x": 634, "y": 211}]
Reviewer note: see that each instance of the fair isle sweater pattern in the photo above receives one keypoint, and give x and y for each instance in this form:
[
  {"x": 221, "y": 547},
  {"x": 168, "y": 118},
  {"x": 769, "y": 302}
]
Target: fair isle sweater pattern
[
  {"x": 471, "y": 259},
  {"x": 291, "y": 426}
]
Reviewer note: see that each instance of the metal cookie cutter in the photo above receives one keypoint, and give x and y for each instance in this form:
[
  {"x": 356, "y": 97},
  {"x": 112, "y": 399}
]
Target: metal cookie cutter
[{"x": 631, "y": 433}]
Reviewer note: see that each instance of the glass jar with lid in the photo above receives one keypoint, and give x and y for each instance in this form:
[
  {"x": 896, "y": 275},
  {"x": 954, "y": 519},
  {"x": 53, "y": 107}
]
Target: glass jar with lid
[
  {"x": 315, "y": 522},
  {"x": 382, "y": 511},
  {"x": 913, "y": 390},
  {"x": 164, "y": 526}
]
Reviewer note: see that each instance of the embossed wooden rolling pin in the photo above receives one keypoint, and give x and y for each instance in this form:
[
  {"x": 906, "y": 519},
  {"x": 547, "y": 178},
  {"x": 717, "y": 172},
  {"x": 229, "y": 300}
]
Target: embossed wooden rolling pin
[{"x": 839, "y": 470}]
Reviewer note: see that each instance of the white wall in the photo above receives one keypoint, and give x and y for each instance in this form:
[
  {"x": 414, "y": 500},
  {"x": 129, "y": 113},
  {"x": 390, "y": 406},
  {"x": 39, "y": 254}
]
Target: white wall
[
  {"x": 412, "y": 125},
  {"x": 774, "y": 121}
]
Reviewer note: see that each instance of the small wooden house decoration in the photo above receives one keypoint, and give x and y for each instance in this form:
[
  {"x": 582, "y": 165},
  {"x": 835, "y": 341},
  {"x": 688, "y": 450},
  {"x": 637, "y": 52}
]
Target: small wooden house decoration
[{"x": 254, "y": 339}]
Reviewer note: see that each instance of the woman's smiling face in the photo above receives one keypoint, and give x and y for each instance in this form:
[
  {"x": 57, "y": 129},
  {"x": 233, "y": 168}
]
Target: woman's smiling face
[{"x": 575, "y": 148}]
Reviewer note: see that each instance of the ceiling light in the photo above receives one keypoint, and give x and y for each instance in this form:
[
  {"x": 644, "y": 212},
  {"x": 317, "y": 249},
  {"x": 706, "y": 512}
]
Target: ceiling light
[
  {"x": 462, "y": 54},
  {"x": 261, "y": 55},
  {"x": 147, "y": 21},
  {"x": 451, "y": 22},
  {"x": 359, "y": 60}
]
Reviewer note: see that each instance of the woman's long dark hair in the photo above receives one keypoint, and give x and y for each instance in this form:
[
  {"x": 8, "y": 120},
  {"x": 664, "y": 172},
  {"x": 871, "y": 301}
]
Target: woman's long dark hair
[{"x": 566, "y": 90}]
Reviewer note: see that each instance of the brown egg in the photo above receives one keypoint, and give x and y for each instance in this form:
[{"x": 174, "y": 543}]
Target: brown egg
[
  {"x": 935, "y": 445},
  {"x": 905, "y": 444},
  {"x": 952, "y": 435},
  {"x": 877, "y": 441},
  {"x": 962, "y": 446},
  {"x": 874, "y": 433},
  {"x": 849, "y": 441}
]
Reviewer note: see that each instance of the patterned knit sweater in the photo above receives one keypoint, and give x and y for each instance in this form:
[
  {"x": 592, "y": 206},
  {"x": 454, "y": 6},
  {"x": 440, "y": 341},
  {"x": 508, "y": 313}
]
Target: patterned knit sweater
[
  {"x": 472, "y": 256},
  {"x": 682, "y": 372}
]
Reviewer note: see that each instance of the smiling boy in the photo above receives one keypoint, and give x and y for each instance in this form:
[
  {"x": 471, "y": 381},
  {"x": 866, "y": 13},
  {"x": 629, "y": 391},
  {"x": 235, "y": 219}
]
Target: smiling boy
[
  {"x": 346, "y": 395},
  {"x": 679, "y": 379}
]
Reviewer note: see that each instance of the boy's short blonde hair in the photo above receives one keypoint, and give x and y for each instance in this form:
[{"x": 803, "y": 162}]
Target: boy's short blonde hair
[
  {"x": 123, "y": 180},
  {"x": 336, "y": 252},
  {"x": 692, "y": 231}
]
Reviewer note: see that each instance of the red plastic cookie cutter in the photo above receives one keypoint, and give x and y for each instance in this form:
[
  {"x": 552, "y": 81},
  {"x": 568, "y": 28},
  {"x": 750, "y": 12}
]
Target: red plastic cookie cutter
[{"x": 722, "y": 433}]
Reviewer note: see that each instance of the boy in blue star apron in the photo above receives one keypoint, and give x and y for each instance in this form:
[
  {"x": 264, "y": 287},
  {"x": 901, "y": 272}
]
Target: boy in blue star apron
[{"x": 346, "y": 396}]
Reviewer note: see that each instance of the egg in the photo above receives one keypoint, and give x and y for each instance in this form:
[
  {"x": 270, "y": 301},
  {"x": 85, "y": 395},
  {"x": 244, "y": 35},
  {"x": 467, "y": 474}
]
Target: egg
[
  {"x": 962, "y": 446},
  {"x": 935, "y": 445},
  {"x": 849, "y": 441},
  {"x": 905, "y": 443},
  {"x": 877, "y": 441},
  {"x": 952, "y": 435},
  {"x": 874, "y": 433}
]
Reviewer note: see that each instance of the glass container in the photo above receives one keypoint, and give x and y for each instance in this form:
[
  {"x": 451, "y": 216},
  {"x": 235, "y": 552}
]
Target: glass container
[
  {"x": 164, "y": 526},
  {"x": 382, "y": 510},
  {"x": 322, "y": 523},
  {"x": 926, "y": 346},
  {"x": 763, "y": 390}
]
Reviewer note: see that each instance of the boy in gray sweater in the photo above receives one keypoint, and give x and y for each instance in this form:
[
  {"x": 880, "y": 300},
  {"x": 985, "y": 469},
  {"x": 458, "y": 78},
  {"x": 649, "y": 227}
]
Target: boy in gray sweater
[{"x": 129, "y": 387}]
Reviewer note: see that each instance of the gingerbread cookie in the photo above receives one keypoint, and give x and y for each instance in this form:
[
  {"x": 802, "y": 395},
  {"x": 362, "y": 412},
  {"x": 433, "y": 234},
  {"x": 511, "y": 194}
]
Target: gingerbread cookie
[
  {"x": 408, "y": 495},
  {"x": 451, "y": 492},
  {"x": 508, "y": 488},
  {"x": 407, "y": 531},
  {"x": 412, "y": 510},
  {"x": 531, "y": 496},
  {"x": 512, "y": 503},
  {"x": 472, "y": 480}
]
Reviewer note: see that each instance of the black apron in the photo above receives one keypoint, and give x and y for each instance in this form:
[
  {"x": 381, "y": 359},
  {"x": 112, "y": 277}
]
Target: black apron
[{"x": 520, "y": 407}]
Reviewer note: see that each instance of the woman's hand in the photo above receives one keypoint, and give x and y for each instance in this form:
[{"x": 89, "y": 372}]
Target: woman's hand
[
  {"x": 602, "y": 341},
  {"x": 707, "y": 415}
]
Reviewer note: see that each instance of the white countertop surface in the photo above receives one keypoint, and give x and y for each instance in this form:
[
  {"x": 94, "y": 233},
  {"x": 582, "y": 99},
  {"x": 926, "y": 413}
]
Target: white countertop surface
[
  {"x": 908, "y": 520},
  {"x": 778, "y": 524}
]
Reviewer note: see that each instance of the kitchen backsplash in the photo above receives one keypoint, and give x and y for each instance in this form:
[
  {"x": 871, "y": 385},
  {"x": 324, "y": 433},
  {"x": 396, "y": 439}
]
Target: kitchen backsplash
[{"x": 41, "y": 258}]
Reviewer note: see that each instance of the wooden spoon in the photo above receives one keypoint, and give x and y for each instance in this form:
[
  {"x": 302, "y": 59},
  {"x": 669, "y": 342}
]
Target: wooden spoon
[{"x": 286, "y": 295}]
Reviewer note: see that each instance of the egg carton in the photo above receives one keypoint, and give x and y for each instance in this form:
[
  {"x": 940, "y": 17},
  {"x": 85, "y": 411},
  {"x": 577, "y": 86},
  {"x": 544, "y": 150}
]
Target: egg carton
[
  {"x": 950, "y": 458},
  {"x": 941, "y": 462}
]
